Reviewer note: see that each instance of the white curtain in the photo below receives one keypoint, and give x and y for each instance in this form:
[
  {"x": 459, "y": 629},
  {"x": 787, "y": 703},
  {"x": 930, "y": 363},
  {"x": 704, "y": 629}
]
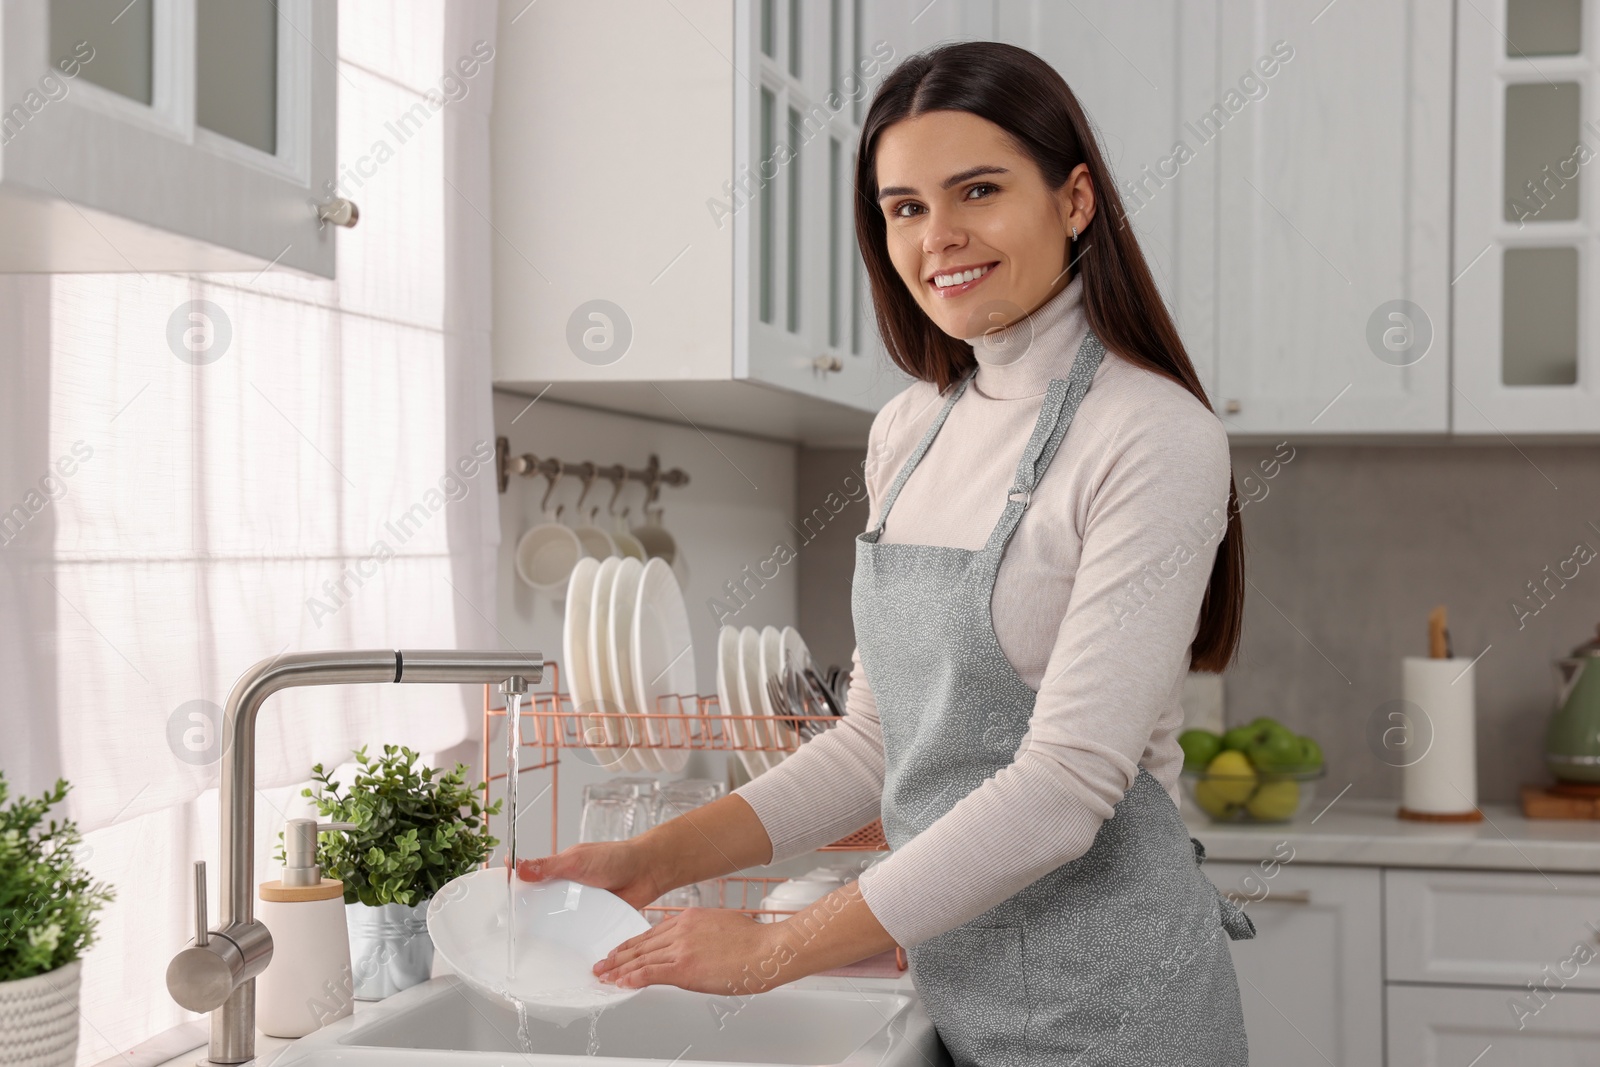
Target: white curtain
[{"x": 298, "y": 464}]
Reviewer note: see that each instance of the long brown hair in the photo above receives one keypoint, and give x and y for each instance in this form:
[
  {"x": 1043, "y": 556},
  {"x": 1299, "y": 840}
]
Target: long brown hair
[{"x": 1023, "y": 95}]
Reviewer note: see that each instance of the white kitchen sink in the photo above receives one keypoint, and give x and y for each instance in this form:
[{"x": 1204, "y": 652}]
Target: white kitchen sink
[{"x": 816, "y": 1020}]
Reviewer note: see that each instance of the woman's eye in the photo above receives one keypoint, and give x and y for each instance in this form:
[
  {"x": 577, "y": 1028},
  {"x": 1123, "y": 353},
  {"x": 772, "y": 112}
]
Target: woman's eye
[
  {"x": 899, "y": 209},
  {"x": 982, "y": 185}
]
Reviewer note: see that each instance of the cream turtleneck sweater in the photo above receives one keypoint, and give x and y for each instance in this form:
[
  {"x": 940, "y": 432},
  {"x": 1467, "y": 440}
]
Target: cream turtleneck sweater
[{"x": 1095, "y": 604}]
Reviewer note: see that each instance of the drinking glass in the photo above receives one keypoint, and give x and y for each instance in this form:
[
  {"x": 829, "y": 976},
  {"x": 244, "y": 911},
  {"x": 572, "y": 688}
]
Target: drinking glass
[{"x": 608, "y": 819}]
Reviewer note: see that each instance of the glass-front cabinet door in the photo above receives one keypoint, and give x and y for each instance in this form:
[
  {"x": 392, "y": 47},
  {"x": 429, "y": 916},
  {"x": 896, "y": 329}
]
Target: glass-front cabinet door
[
  {"x": 168, "y": 134},
  {"x": 1525, "y": 219},
  {"x": 803, "y": 317}
]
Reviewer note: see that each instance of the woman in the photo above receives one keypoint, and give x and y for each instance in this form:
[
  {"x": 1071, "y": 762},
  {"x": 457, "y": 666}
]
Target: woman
[{"x": 1058, "y": 546}]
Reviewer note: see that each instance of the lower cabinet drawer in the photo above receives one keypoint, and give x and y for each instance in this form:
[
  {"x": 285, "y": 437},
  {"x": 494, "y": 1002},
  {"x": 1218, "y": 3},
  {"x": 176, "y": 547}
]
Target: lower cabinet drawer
[
  {"x": 1455, "y": 1027},
  {"x": 1492, "y": 928}
]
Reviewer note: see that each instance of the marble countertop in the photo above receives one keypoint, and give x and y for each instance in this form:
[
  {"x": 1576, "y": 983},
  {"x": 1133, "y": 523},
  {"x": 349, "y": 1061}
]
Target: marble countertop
[{"x": 1367, "y": 833}]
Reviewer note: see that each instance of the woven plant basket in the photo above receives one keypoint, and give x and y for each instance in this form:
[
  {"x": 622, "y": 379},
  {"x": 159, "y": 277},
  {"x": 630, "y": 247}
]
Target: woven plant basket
[{"x": 39, "y": 1019}]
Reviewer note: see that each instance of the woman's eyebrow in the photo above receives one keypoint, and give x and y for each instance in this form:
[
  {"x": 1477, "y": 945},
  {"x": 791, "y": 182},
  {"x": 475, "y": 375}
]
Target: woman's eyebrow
[{"x": 953, "y": 180}]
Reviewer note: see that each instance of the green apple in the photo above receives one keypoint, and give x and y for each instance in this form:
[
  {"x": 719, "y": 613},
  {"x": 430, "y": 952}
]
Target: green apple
[
  {"x": 1310, "y": 754},
  {"x": 1200, "y": 747},
  {"x": 1274, "y": 751},
  {"x": 1238, "y": 738}
]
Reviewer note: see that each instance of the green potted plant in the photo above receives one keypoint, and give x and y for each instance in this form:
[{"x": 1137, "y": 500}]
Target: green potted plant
[
  {"x": 47, "y": 907},
  {"x": 416, "y": 829}
]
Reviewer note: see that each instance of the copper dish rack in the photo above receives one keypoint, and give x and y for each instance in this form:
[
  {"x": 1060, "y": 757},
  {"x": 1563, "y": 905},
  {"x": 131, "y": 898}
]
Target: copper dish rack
[{"x": 692, "y": 721}]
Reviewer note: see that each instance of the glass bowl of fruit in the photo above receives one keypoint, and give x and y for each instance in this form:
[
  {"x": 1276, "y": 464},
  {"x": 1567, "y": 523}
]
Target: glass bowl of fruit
[{"x": 1260, "y": 772}]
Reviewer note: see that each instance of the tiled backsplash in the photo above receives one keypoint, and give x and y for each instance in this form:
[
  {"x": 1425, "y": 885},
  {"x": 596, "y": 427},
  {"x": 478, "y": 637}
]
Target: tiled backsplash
[{"x": 1347, "y": 549}]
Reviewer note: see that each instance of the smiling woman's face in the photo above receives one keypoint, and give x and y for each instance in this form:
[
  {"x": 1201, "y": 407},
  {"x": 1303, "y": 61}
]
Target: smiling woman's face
[{"x": 959, "y": 200}]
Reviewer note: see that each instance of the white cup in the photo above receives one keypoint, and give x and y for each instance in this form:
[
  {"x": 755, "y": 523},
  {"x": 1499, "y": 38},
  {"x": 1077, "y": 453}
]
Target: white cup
[
  {"x": 629, "y": 546},
  {"x": 546, "y": 555},
  {"x": 656, "y": 540},
  {"x": 596, "y": 542}
]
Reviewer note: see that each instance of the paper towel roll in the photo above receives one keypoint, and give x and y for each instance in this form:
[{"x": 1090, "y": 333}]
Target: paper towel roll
[{"x": 1444, "y": 781}]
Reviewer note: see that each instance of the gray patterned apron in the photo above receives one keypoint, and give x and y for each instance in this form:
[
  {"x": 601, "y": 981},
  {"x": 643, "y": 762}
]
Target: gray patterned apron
[{"x": 1113, "y": 958}]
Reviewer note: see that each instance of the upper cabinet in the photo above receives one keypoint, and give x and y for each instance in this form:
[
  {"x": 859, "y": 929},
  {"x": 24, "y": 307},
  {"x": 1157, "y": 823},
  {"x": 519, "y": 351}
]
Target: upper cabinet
[
  {"x": 1331, "y": 131},
  {"x": 1286, "y": 170},
  {"x": 1527, "y": 359},
  {"x": 672, "y": 198},
  {"x": 168, "y": 135}
]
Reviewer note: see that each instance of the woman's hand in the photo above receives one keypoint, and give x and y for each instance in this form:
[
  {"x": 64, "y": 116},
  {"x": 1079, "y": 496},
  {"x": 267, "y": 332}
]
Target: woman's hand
[
  {"x": 706, "y": 950},
  {"x": 725, "y": 951},
  {"x": 626, "y": 868}
]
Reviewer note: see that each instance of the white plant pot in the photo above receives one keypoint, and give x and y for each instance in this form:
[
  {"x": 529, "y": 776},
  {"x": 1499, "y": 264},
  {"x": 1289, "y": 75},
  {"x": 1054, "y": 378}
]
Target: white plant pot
[
  {"x": 39, "y": 1018},
  {"x": 390, "y": 949}
]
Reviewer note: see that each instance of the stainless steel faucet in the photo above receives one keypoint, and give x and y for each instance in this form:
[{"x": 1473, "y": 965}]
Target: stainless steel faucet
[{"x": 217, "y": 972}]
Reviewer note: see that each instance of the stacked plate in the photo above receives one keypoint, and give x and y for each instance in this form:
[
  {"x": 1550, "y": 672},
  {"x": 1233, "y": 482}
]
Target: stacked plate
[
  {"x": 746, "y": 660},
  {"x": 626, "y": 642}
]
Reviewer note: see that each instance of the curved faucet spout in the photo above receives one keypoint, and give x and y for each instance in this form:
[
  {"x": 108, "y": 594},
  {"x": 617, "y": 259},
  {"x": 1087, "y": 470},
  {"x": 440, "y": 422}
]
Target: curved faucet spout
[{"x": 233, "y": 1023}]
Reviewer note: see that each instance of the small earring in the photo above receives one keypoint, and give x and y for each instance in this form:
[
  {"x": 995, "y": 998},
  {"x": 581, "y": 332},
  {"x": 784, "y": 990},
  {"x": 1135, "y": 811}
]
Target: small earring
[{"x": 1074, "y": 233}]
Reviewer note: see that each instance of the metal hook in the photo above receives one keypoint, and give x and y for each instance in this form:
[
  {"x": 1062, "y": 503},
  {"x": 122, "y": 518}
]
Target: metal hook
[
  {"x": 618, "y": 476},
  {"x": 560, "y": 469},
  {"x": 589, "y": 472}
]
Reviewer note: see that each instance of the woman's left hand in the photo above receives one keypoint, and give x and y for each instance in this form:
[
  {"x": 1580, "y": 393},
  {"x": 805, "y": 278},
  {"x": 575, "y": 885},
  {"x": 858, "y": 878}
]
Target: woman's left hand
[{"x": 705, "y": 950}]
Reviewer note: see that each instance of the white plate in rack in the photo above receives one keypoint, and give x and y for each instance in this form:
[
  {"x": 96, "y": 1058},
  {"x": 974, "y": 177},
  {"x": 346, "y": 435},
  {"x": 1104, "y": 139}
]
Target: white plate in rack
[
  {"x": 730, "y": 701},
  {"x": 575, "y": 669},
  {"x": 663, "y": 660},
  {"x": 750, "y": 691},
  {"x": 771, "y": 659},
  {"x": 624, "y": 600},
  {"x": 625, "y": 759}
]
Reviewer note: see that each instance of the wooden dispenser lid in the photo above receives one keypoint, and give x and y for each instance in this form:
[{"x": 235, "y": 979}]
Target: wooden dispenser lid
[{"x": 327, "y": 889}]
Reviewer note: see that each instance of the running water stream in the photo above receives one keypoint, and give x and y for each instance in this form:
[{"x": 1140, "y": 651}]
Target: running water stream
[
  {"x": 542, "y": 954},
  {"x": 513, "y": 766}
]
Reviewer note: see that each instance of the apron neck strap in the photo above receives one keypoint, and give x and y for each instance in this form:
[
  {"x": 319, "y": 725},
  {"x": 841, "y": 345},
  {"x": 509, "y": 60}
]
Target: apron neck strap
[
  {"x": 922, "y": 447},
  {"x": 1055, "y": 416}
]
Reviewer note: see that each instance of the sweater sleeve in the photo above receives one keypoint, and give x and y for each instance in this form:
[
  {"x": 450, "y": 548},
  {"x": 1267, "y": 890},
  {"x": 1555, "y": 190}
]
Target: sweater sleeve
[{"x": 1115, "y": 662}]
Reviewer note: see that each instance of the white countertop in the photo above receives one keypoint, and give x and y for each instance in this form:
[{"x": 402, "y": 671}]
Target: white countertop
[{"x": 1367, "y": 833}]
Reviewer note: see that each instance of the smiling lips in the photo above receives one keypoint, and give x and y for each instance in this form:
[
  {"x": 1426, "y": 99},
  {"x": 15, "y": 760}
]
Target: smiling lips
[{"x": 951, "y": 283}]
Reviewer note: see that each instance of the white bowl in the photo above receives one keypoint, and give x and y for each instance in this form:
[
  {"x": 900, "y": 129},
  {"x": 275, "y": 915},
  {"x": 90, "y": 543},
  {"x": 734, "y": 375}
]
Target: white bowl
[{"x": 563, "y": 929}]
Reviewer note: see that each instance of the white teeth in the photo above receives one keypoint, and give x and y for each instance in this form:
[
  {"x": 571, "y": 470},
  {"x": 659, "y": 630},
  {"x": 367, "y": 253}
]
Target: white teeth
[{"x": 944, "y": 281}]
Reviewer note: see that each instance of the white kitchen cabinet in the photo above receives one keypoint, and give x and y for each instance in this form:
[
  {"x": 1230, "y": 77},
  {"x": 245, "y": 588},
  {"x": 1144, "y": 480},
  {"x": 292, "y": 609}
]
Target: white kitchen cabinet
[
  {"x": 1333, "y": 191},
  {"x": 166, "y": 135},
  {"x": 672, "y": 199},
  {"x": 1312, "y": 977},
  {"x": 1287, "y": 171},
  {"x": 1438, "y": 1026},
  {"x": 1526, "y": 356},
  {"x": 1493, "y": 928},
  {"x": 1140, "y": 71}
]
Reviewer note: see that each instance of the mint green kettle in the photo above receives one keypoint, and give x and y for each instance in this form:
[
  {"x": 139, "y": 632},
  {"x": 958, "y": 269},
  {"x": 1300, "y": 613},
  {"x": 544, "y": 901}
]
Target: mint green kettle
[{"x": 1572, "y": 743}]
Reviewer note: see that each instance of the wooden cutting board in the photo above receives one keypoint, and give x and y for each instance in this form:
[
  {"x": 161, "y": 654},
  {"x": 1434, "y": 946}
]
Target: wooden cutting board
[{"x": 1546, "y": 802}]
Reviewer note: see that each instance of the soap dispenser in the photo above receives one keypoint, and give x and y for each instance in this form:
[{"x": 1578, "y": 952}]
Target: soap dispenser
[{"x": 308, "y": 983}]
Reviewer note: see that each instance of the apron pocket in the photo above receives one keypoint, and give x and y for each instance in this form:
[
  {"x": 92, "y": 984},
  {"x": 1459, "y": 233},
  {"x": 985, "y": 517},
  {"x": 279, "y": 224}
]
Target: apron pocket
[{"x": 974, "y": 984}]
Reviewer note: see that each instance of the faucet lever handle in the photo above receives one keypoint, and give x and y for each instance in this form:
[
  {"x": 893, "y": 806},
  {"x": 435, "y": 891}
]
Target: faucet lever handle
[
  {"x": 202, "y": 932},
  {"x": 343, "y": 827}
]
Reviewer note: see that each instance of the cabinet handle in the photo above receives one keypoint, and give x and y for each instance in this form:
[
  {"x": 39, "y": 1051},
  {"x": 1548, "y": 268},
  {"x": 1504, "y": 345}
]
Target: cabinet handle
[
  {"x": 339, "y": 211},
  {"x": 827, "y": 362},
  {"x": 1297, "y": 896},
  {"x": 1232, "y": 407}
]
